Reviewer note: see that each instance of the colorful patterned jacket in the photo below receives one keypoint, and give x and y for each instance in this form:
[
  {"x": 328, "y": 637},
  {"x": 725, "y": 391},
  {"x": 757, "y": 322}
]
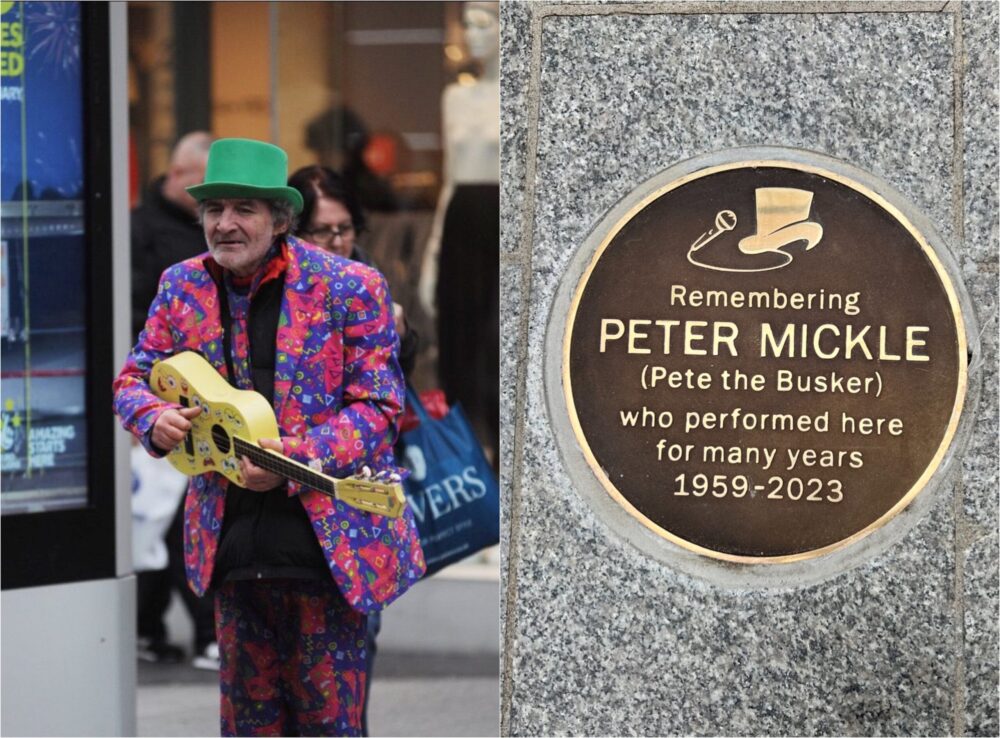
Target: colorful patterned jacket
[{"x": 337, "y": 392}]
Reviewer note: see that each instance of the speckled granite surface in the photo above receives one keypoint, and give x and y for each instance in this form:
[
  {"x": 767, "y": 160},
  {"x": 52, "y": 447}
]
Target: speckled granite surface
[
  {"x": 515, "y": 51},
  {"x": 510, "y": 314},
  {"x": 981, "y": 643},
  {"x": 600, "y": 638},
  {"x": 980, "y": 123},
  {"x": 979, "y": 257}
]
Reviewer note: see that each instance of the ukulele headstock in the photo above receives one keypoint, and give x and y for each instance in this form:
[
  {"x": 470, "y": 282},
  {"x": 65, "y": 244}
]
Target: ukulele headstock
[{"x": 381, "y": 493}]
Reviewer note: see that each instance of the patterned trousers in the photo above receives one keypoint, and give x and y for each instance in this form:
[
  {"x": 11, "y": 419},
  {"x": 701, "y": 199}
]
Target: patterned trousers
[{"x": 292, "y": 659}]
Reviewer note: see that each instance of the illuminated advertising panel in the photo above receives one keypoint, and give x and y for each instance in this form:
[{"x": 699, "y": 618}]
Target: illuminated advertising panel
[{"x": 44, "y": 259}]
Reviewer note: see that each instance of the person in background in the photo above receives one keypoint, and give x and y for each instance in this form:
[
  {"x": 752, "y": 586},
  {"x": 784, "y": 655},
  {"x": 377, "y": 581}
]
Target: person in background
[
  {"x": 164, "y": 231},
  {"x": 459, "y": 281},
  {"x": 295, "y": 572},
  {"x": 338, "y": 136},
  {"x": 164, "y": 228},
  {"x": 332, "y": 218}
]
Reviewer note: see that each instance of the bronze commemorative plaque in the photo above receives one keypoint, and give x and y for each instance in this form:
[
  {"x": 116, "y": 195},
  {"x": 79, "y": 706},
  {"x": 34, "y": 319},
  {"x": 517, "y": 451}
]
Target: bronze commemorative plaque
[{"x": 764, "y": 361}]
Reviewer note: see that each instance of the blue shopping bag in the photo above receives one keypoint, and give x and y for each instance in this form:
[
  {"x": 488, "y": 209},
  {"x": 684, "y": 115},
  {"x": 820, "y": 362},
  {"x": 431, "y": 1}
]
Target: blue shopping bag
[{"x": 451, "y": 488}]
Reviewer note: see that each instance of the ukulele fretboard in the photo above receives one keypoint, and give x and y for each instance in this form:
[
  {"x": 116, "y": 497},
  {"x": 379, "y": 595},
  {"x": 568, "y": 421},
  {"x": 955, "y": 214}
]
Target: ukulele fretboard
[{"x": 274, "y": 462}]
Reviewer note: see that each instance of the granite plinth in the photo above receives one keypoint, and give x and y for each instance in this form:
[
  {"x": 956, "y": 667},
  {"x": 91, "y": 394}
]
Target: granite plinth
[{"x": 603, "y": 639}]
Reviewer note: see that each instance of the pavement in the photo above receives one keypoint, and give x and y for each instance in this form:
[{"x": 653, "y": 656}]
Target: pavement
[{"x": 436, "y": 673}]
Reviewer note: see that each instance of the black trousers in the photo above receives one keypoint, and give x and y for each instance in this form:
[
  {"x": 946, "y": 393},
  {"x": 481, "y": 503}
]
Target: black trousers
[
  {"x": 155, "y": 587},
  {"x": 468, "y": 302}
]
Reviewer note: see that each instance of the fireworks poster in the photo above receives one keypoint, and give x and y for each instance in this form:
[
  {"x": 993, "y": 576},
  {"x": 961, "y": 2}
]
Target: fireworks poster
[
  {"x": 43, "y": 409},
  {"x": 41, "y": 99}
]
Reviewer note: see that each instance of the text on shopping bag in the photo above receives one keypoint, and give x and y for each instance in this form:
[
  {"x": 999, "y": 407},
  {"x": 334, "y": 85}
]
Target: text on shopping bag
[{"x": 446, "y": 495}]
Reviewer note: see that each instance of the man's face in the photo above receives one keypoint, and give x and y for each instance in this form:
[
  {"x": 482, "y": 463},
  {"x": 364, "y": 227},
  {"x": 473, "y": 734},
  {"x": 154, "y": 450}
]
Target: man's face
[
  {"x": 184, "y": 174},
  {"x": 239, "y": 233}
]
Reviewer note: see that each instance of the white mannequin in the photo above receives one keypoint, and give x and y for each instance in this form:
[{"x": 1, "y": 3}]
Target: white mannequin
[{"x": 471, "y": 122}]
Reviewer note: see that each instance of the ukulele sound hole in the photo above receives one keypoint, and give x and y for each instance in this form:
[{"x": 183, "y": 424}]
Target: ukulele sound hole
[{"x": 221, "y": 439}]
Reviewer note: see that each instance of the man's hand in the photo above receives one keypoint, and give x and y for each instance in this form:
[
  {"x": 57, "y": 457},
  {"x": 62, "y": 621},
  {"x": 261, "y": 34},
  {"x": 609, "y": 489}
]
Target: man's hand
[
  {"x": 171, "y": 427},
  {"x": 256, "y": 478}
]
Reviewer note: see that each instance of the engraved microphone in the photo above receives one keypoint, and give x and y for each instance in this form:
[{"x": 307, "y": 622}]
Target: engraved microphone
[{"x": 725, "y": 220}]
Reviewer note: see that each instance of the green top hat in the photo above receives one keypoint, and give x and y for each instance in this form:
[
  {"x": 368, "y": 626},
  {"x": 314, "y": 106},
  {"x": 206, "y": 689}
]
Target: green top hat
[{"x": 242, "y": 167}]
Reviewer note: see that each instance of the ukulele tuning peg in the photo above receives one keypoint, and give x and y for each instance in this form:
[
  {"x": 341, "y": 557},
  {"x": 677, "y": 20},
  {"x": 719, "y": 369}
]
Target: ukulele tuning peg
[{"x": 388, "y": 475}]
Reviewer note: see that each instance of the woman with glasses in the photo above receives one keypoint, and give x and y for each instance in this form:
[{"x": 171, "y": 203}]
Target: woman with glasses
[
  {"x": 332, "y": 219},
  {"x": 331, "y": 216}
]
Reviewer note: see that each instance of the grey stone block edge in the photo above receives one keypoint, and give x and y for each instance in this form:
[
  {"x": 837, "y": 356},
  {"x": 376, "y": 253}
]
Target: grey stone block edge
[
  {"x": 520, "y": 256},
  {"x": 512, "y": 306},
  {"x": 980, "y": 712},
  {"x": 699, "y": 7},
  {"x": 978, "y": 518},
  {"x": 720, "y": 573}
]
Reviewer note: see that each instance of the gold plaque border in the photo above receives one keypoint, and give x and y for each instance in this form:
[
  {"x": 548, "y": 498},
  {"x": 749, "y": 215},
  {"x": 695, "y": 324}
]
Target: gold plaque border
[{"x": 961, "y": 387}]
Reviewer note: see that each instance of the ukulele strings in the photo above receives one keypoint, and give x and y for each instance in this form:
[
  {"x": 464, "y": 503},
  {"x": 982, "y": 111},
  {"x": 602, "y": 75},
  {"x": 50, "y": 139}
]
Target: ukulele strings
[{"x": 287, "y": 469}]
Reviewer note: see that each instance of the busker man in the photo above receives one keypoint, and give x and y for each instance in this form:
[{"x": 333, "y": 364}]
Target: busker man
[{"x": 295, "y": 571}]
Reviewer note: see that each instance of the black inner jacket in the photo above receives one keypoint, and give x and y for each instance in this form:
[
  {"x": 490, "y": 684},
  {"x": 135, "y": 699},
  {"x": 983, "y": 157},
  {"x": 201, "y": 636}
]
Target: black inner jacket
[{"x": 265, "y": 535}]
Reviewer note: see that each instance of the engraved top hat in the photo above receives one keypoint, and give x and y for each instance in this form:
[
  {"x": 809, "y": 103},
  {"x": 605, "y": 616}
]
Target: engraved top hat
[{"x": 782, "y": 218}]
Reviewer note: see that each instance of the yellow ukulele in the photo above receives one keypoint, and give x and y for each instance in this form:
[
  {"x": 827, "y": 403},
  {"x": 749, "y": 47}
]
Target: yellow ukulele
[{"x": 229, "y": 426}]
